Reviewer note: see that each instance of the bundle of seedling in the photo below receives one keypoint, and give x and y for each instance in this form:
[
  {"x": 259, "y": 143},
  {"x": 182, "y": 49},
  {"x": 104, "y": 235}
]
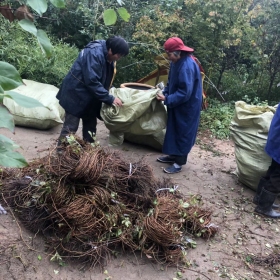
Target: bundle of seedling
[{"x": 89, "y": 202}]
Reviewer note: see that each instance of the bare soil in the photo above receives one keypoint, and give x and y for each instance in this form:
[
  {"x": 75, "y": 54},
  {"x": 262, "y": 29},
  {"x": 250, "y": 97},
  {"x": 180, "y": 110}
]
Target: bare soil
[{"x": 209, "y": 172}]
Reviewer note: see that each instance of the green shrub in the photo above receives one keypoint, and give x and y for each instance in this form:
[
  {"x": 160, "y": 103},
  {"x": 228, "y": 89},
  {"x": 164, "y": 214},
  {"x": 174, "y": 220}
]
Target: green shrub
[
  {"x": 238, "y": 84},
  {"x": 21, "y": 49},
  {"x": 132, "y": 68},
  {"x": 235, "y": 86},
  {"x": 217, "y": 118}
]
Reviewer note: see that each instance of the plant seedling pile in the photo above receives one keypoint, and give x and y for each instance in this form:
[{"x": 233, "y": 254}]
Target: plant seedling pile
[{"x": 88, "y": 202}]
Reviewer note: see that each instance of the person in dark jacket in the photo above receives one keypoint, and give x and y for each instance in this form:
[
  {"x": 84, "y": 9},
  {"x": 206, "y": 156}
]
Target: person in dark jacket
[
  {"x": 269, "y": 186},
  {"x": 183, "y": 98},
  {"x": 87, "y": 85}
]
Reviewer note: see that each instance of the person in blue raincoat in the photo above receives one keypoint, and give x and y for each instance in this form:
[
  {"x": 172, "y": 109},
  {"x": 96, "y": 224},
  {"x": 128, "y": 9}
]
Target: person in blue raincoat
[
  {"x": 269, "y": 186},
  {"x": 183, "y": 99},
  {"x": 87, "y": 85}
]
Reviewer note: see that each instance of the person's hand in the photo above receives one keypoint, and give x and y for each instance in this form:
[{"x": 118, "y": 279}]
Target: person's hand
[
  {"x": 117, "y": 102},
  {"x": 160, "y": 96}
]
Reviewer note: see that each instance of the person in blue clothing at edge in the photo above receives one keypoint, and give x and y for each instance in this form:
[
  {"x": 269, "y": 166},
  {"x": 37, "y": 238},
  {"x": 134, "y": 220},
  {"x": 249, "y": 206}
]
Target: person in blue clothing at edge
[
  {"x": 87, "y": 85},
  {"x": 269, "y": 185},
  {"x": 183, "y": 99}
]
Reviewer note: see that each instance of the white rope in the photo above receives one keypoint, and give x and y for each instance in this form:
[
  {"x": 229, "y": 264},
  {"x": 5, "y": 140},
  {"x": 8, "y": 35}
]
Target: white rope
[
  {"x": 2, "y": 210},
  {"x": 209, "y": 82},
  {"x": 115, "y": 201},
  {"x": 169, "y": 189},
  {"x": 211, "y": 225}
]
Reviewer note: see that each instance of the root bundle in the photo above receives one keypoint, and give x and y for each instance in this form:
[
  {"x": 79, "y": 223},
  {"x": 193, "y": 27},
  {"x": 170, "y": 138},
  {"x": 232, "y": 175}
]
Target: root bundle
[{"x": 89, "y": 200}]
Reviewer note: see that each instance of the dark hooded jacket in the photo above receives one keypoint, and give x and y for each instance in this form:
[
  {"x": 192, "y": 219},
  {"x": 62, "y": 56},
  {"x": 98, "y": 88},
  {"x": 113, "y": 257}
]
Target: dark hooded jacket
[
  {"x": 183, "y": 99},
  {"x": 86, "y": 85},
  {"x": 273, "y": 140}
]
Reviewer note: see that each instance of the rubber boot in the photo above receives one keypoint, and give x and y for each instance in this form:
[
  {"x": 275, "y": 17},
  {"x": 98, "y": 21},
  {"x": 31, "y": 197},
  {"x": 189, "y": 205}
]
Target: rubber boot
[
  {"x": 258, "y": 191},
  {"x": 264, "y": 207}
]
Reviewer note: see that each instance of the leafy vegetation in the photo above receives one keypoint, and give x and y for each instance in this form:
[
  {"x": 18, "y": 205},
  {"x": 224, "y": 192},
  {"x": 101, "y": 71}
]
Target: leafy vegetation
[
  {"x": 217, "y": 118},
  {"x": 22, "y": 51},
  {"x": 10, "y": 77},
  {"x": 90, "y": 20},
  {"x": 9, "y": 80},
  {"x": 236, "y": 41}
]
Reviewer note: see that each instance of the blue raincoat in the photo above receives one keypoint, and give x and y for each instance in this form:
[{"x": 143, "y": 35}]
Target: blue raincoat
[
  {"x": 183, "y": 98},
  {"x": 273, "y": 140},
  {"x": 86, "y": 85}
]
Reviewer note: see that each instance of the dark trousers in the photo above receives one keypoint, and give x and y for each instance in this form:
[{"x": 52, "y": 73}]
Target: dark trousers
[
  {"x": 71, "y": 125},
  {"x": 272, "y": 177},
  {"x": 180, "y": 160}
]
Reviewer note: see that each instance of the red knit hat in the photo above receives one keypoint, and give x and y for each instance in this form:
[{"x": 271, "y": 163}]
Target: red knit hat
[{"x": 176, "y": 44}]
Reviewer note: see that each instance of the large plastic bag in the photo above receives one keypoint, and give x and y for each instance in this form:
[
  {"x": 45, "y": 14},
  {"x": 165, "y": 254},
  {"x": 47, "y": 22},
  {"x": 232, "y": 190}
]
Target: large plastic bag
[
  {"x": 38, "y": 117},
  {"x": 142, "y": 117},
  {"x": 154, "y": 140},
  {"x": 249, "y": 129}
]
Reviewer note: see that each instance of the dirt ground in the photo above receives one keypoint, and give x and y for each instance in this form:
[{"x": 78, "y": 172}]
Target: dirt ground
[{"x": 208, "y": 173}]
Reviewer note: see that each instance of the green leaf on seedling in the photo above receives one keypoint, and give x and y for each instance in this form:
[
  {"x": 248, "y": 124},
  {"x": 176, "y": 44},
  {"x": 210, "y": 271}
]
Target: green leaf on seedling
[
  {"x": 123, "y": 14},
  {"x": 6, "y": 119},
  {"x": 110, "y": 17},
  {"x": 23, "y": 100},
  {"x": 248, "y": 259},
  {"x": 58, "y": 3},
  {"x": 41, "y": 35},
  {"x": 8, "y": 157},
  {"x": 40, "y": 6},
  {"x": 45, "y": 43},
  {"x": 179, "y": 274},
  {"x": 9, "y": 77},
  {"x": 28, "y": 26},
  {"x": 185, "y": 205}
]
